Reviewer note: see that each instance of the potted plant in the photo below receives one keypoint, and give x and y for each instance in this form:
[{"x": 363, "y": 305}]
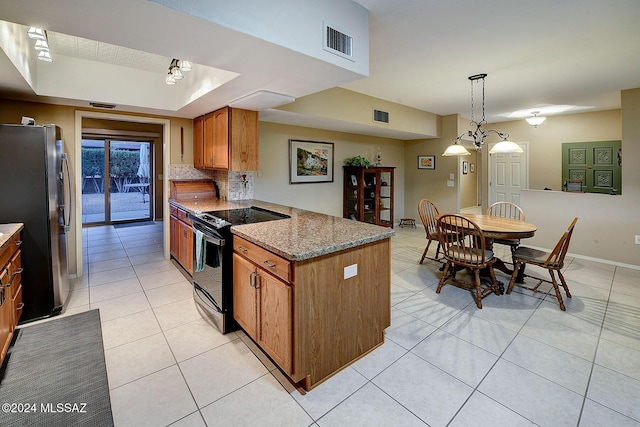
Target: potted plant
[{"x": 358, "y": 161}]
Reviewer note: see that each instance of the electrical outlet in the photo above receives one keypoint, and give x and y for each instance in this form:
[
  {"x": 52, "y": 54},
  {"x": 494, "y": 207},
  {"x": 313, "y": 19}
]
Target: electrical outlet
[
  {"x": 350, "y": 271},
  {"x": 637, "y": 240}
]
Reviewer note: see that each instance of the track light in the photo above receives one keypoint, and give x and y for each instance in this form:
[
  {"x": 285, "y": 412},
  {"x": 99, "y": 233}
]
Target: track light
[
  {"x": 41, "y": 46},
  {"x": 176, "y": 69}
]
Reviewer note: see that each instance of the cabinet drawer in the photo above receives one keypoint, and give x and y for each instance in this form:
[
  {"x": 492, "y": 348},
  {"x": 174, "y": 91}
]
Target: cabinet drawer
[
  {"x": 9, "y": 249},
  {"x": 17, "y": 305},
  {"x": 266, "y": 260},
  {"x": 173, "y": 210},
  {"x": 182, "y": 216}
]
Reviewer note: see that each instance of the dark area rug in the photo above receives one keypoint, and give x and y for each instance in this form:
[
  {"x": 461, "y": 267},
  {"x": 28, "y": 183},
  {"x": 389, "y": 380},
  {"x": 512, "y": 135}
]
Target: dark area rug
[
  {"x": 54, "y": 374},
  {"x": 133, "y": 224}
]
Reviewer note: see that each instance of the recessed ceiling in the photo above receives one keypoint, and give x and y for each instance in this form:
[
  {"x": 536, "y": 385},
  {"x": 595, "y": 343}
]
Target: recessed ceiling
[{"x": 92, "y": 50}]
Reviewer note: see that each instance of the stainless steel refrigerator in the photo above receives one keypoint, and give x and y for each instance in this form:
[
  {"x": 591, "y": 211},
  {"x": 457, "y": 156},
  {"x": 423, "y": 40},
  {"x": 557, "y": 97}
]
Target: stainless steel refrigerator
[{"x": 35, "y": 189}]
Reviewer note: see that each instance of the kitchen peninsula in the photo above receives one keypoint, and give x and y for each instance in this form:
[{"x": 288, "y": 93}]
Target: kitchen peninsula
[{"x": 313, "y": 290}]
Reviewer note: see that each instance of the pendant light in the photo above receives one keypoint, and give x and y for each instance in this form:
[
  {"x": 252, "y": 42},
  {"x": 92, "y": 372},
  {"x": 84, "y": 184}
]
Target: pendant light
[{"x": 479, "y": 133}]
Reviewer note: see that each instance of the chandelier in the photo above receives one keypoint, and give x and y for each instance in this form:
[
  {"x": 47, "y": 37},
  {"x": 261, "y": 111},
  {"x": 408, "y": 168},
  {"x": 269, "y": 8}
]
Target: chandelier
[
  {"x": 176, "y": 70},
  {"x": 478, "y": 134}
]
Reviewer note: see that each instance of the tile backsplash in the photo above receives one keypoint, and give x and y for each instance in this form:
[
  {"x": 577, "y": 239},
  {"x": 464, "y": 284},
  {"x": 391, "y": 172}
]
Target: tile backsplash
[{"x": 233, "y": 185}]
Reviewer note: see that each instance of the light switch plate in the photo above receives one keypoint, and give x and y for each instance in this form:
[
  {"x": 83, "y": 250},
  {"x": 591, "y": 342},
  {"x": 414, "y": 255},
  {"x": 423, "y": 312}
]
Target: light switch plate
[
  {"x": 451, "y": 176},
  {"x": 637, "y": 239},
  {"x": 450, "y": 183},
  {"x": 350, "y": 271}
]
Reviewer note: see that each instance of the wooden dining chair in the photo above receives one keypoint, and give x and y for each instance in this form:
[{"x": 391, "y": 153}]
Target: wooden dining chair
[
  {"x": 507, "y": 210},
  {"x": 463, "y": 246},
  {"x": 552, "y": 261},
  {"x": 428, "y": 213}
]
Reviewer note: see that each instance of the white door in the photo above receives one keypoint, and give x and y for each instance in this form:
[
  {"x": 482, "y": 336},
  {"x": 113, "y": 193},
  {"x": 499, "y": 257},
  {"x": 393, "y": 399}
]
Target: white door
[{"x": 508, "y": 174}]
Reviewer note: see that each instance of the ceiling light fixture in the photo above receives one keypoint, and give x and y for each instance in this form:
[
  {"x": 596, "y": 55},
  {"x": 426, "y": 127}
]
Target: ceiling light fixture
[
  {"x": 479, "y": 133},
  {"x": 176, "y": 69},
  {"x": 36, "y": 33},
  {"x": 536, "y": 120},
  {"x": 41, "y": 46}
]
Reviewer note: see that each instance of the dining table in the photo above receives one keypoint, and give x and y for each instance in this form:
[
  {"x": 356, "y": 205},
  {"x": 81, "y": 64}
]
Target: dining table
[{"x": 496, "y": 227}]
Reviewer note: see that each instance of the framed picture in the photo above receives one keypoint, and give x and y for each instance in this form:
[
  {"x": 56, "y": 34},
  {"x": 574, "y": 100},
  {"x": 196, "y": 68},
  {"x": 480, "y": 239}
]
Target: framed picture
[
  {"x": 426, "y": 162},
  {"x": 310, "y": 161},
  {"x": 472, "y": 167},
  {"x": 465, "y": 167}
]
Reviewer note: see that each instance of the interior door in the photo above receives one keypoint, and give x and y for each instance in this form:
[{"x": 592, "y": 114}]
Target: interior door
[
  {"x": 597, "y": 164},
  {"x": 508, "y": 174}
]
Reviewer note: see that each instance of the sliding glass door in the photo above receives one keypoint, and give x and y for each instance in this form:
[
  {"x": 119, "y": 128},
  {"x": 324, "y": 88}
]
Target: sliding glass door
[{"x": 116, "y": 184}]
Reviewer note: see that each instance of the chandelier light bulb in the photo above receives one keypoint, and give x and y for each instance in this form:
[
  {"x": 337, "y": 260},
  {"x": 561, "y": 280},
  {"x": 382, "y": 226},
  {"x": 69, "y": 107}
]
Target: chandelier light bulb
[{"x": 170, "y": 80}]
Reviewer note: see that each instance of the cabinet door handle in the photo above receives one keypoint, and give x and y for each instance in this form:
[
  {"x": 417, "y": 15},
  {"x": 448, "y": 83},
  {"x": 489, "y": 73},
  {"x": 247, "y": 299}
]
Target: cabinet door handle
[
  {"x": 18, "y": 243},
  {"x": 18, "y": 271},
  {"x": 242, "y": 249},
  {"x": 269, "y": 264},
  {"x": 20, "y": 306},
  {"x": 252, "y": 280}
]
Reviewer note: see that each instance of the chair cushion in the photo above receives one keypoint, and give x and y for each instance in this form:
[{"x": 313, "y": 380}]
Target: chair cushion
[
  {"x": 453, "y": 254},
  {"x": 531, "y": 255}
]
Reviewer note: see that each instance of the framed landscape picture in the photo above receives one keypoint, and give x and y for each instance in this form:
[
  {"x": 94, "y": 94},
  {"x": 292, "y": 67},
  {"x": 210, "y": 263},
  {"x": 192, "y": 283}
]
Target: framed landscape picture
[
  {"x": 310, "y": 161},
  {"x": 426, "y": 162}
]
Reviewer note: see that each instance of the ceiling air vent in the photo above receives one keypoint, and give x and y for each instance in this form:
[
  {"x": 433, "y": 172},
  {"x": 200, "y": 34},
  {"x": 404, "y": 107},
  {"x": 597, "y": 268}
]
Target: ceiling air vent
[
  {"x": 380, "y": 116},
  {"x": 338, "y": 42},
  {"x": 102, "y": 105}
]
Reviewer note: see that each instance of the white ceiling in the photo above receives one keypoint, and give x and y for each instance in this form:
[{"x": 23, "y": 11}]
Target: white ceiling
[{"x": 536, "y": 54}]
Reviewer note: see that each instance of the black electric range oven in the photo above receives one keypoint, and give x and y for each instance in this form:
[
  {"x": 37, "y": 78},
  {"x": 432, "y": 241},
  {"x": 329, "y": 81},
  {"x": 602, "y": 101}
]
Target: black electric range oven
[{"x": 213, "y": 259}]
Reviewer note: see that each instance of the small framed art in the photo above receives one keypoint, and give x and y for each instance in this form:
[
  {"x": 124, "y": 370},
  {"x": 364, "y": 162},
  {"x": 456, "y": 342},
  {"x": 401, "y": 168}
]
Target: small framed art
[{"x": 426, "y": 162}]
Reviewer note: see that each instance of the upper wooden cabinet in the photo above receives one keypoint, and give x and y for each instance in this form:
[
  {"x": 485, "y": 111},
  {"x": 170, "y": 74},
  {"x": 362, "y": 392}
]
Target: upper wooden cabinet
[
  {"x": 198, "y": 142},
  {"x": 226, "y": 139}
]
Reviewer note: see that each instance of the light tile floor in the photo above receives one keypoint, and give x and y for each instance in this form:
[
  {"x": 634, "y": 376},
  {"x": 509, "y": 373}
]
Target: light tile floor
[{"x": 518, "y": 361}]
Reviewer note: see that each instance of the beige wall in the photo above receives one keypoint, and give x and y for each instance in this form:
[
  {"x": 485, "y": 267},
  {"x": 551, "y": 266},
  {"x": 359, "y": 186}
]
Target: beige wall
[
  {"x": 606, "y": 224},
  {"x": 272, "y": 180},
  {"x": 545, "y": 141},
  {"x": 469, "y": 182},
  {"x": 432, "y": 184}
]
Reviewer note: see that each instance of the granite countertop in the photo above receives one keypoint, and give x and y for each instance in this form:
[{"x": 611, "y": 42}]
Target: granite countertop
[
  {"x": 305, "y": 235},
  {"x": 8, "y": 230}
]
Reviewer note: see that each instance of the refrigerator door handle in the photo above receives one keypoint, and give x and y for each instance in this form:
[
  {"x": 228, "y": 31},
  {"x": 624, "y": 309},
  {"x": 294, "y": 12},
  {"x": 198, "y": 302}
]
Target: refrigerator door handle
[{"x": 67, "y": 207}]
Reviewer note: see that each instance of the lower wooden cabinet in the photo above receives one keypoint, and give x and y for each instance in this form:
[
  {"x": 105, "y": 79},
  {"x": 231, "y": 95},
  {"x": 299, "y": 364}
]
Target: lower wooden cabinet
[
  {"x": 181, "y": 238},
  {"x": 309, "y": 318},
  {"x": 262, "y": 306},
  {"x": 10, "y": 291}
]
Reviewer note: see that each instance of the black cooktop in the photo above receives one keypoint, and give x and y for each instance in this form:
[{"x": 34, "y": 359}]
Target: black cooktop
[{"x": 247, "y": 215}]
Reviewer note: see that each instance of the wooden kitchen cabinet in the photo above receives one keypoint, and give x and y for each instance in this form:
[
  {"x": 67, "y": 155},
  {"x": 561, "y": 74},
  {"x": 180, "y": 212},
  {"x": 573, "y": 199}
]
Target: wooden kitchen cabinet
[
  {"x": 185, "y": 247},
  {"x": 228, "y": 140},
  {"x": 181, "y": 238},
  {"x": 198, "y": 142},
  {"x": 304, "y": 314},
  {"x": 10, "y": 291},
  {"x": 262, "y": 305},
  {"x": 368, "y": 194}
]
